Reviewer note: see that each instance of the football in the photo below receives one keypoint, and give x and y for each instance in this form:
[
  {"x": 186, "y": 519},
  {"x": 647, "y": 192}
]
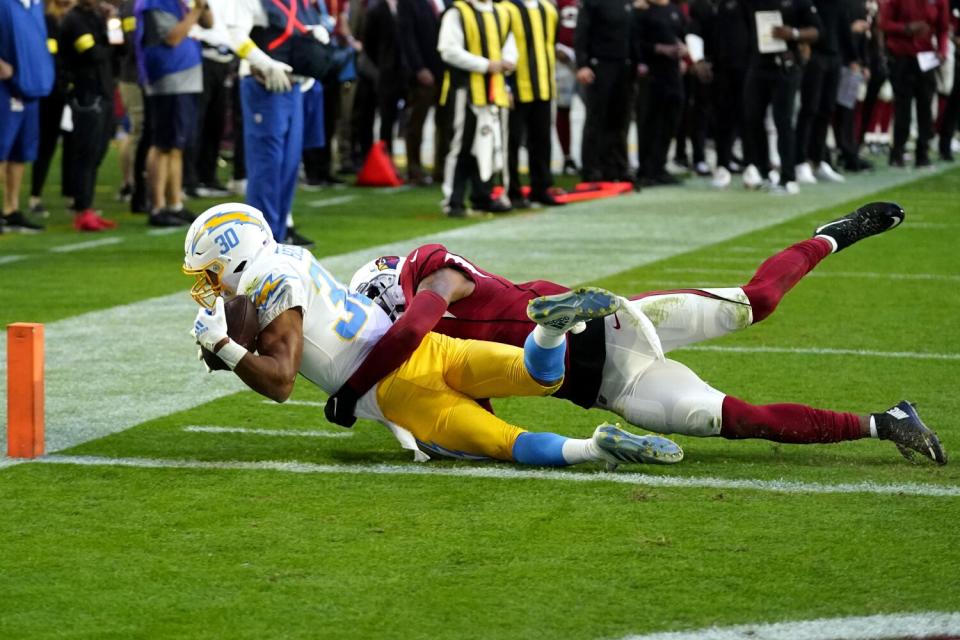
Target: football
[{"x": 242, "y": 327}]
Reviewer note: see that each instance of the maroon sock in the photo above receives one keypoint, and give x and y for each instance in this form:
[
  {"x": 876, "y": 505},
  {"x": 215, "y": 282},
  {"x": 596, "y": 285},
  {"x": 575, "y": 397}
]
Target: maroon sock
[
  {"x": 779, "y": 273},
  {"x": 563, "y": 130},
  {"x": 791, "y": 423}
]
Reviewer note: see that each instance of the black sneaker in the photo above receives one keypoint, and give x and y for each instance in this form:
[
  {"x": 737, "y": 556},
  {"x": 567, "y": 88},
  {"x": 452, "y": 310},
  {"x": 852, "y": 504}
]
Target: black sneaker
[
  {"x": 16, "y": 221},
  {"x": 868, "y": 220},
  {"x": 164, "y": 218},
  {"x": 183, "y": 213},
  {"x": 497, "y": 206},
  {"x": 293, "y": 237},
  {"x": 902, "y": 426},
  {"x": 39, "y": 210},
  {"x": 455, "y": 212}
]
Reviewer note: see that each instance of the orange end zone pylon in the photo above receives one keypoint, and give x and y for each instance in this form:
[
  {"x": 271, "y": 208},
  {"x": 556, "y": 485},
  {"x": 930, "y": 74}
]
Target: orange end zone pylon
[{"x": 24, "y": 390}]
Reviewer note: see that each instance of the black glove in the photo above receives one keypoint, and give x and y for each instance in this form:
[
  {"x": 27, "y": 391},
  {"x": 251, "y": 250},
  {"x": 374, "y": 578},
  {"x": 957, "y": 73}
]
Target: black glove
[{"x": 341, "y": 406}]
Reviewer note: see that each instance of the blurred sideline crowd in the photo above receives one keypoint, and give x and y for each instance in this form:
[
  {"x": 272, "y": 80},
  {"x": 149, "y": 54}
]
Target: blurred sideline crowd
[{"x": 302, "y": 92}]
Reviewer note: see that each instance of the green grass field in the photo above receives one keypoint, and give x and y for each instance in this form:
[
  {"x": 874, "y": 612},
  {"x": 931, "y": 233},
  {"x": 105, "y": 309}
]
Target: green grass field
[{"x": 351, "y": 539}]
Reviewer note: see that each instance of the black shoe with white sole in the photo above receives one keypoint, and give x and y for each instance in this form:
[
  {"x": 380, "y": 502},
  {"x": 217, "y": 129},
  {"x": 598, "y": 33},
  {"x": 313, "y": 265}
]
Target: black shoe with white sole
[
  {"x": 16, "y": 221},
  {"x": 868, "y": 220},
  {"x": 902, "y": 426}
]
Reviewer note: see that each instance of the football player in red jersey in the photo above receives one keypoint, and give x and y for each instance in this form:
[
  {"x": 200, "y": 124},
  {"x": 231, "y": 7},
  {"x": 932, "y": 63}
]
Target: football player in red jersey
[{"x": 619, "y": 363}]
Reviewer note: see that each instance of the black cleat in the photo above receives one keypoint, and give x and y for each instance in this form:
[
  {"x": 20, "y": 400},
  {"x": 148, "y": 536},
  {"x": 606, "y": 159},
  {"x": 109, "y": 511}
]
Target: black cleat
[
  {"x": 902, "y": 426},
  {"x": 868, "y": 220},
  {"x": 295, "y": 238},
  {"x": 16, "y": 221}
]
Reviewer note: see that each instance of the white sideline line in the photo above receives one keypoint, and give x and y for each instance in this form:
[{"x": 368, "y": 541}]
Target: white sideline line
[
  {"x": 937, "y": 277},
  {"x": 9, "y": 259},
  {"x": 331, "y": 202},
  {"x": 912, "y": 355},
  {"x": 501, "y": 473},
  {"x": 80, "y": 246},
  {"x": 269, "y": 432},
  {"x": 296, "y": 403},
  {"x": 166, "y": 232},
  {"x": 878, "y": 627}
]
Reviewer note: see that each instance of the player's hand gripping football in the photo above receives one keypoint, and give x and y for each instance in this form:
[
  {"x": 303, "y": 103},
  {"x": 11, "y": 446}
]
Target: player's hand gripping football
[
  {"x": 341, "y": 406},
  {"x": 210, "y": 327}
]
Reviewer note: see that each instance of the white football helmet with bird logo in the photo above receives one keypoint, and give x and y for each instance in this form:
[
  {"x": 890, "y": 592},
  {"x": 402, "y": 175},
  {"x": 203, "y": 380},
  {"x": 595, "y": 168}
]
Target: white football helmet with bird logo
[
  {"x": 220, "y": 244},
  {"x": 379, "y": 280}
]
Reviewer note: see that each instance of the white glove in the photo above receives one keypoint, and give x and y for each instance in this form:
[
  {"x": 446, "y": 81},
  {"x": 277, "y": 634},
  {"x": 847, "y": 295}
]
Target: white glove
[
  {"x": 321, "y": 34},
  {"x": 274, "y": 71},
  {"x": 210, "y": 327}
]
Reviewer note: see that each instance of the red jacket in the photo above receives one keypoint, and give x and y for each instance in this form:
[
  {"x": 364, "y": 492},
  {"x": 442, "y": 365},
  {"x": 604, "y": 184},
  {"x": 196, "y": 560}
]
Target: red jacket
[{"x": 895, "y": 15}]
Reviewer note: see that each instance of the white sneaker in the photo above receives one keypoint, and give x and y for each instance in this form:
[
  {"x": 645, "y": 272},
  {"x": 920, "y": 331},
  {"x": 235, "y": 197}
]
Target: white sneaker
[
  {"x": 702, "y": 168},
  {"x": 773, "y": 177},
  {"x": 237, "y": 187},
  {"x": 721, "y": 178},
  {"x": 789, "y": 189},
  {"x": 826, "y": 172},
  {"x": 751, "y": 177},
  {"x": 805, "y": 173}
]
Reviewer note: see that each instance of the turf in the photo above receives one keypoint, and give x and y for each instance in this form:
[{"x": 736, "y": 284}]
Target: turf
[{"x": 112, "y": 552}]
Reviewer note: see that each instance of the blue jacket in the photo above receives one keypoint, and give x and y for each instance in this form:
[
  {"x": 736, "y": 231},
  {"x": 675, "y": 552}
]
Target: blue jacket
[
  {"x": 23, "y": 44},
  {"x": 155, "y": 58}
]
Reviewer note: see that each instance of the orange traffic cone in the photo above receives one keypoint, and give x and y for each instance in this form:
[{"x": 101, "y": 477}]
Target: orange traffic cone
[{"x": 378, "y": 169}]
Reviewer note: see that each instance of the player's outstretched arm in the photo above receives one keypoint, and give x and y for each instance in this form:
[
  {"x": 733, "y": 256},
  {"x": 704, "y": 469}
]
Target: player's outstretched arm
[
  {"x": 434, "y": 294},
  {"x": 280, "y": 346}
]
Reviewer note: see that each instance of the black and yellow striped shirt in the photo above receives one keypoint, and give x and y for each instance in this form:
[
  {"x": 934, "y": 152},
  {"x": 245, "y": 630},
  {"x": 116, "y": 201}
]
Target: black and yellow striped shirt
[{"x": 534, "y": 28}]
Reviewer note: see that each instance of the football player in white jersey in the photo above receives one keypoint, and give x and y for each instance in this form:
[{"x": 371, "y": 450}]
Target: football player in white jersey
[{"x": 311, "y": 324}]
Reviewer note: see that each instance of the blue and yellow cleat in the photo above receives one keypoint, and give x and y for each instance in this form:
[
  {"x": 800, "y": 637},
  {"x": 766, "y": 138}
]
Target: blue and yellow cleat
[
  {"x": 621, "y": 446},
  {"x": 562, "y": 311}
]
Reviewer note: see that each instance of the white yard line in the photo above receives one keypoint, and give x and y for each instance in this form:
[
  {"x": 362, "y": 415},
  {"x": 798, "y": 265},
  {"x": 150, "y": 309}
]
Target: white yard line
[
  {"x": 878, "y": 627},
  {"x": 331, "y": 202},
  {"x": 82, "y": 246},
  {"x": 497, "y": 472},
  {"x": 269, "y": 432},
  {"x": 150, "y": 369},
  {"x": 9, "y": 259},
  {"x": 167, "y": 231},
  {"x": 296, "y": 403},
  {"x": 910, "y": 355},
  {"x": 869, "y": 275}
]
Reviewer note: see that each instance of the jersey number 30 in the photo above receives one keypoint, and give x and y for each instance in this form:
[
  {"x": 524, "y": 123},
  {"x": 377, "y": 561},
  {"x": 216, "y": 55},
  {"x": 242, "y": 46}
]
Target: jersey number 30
[{"x": 353, "y": 304}]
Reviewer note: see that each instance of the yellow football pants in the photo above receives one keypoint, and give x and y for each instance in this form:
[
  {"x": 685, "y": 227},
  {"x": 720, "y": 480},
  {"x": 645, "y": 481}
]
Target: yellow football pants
[{"x": 433, "y": 395}]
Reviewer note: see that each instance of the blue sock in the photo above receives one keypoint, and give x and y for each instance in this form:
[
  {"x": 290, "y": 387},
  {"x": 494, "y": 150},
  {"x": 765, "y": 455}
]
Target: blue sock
[
  {"x": 545, "y": 449},
  {"x": 544, "y": 365}
]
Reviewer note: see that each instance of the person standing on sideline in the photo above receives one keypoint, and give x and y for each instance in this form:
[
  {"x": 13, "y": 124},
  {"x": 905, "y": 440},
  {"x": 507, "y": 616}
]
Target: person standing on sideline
[
  {"x": 281, "y": 45},
  {"x": 602, "y": 47},
  {"x": 419, "y": 26},
  {"x": 534, "y": 88},
  {"x": 88, "y": 70},
  {"x": 773, "y": 78},
  {"x": 51, "y": 109},
  {"x": 477, "y": 48},
  {"x": 910, "y": 27},
  {"x": 832, "y": 51},
  {"x": 951, "y": 112},
  {"x": 171, "y": 68},
  {"x": 566, "y": 77},
  {"x": 26, "y": 74}
]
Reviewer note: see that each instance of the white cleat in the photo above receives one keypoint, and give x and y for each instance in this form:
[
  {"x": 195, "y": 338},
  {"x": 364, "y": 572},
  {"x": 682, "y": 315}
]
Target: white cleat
[
  {"x": 805, "y": 173},
  {"x": 828, "y": 173},
  {"x": 751, "y": 177},
  {"x": 721, "y": 178}
]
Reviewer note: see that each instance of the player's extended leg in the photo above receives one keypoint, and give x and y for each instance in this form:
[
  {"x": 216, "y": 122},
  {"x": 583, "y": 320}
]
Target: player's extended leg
[
  {"x": 668, "y": 397},
  {"x": 686, "y": 316}
]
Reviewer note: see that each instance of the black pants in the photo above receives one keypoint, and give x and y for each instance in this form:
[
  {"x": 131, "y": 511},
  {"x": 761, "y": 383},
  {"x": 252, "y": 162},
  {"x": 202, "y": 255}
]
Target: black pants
[
  {"x": 421, "y": 98},
  {"x": 818, "y": 95},
  {"x": 878, "y": 75},
  {"x": 92, "y": 130},
  {"x": 389, "y": 95},
  {"x": 695, "y": 119},
  {"x": 845, "y": 133},
  {"x": 236, "y": 124},
  {"x": 777, "y": 86},
  {"x": 909, "y": 84},
  {"x": 201, "y": 155},
  {"x": 530, "y": 122},
  {"x": 604, "y": 147},
  {"x": 951, "y": 114},
  {"x": 364, "y": 113},
  {"x": 465, "y": 170},
  {"x": 664, "y": 111},
  {"x": 728, "y": 110},
  {"x": 51, "y": 112}
]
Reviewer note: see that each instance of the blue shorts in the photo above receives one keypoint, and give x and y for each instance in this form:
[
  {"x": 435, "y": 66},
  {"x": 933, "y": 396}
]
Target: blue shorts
[
  {"x": 19, "y": 127},
  {"x": 173, "y": 120}
]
